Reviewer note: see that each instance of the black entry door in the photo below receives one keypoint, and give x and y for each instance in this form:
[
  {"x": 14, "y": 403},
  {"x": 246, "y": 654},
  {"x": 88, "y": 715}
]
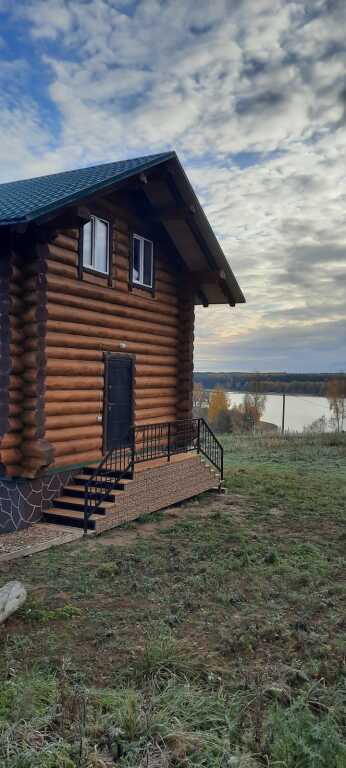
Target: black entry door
[{"x": 118, "y": 401}]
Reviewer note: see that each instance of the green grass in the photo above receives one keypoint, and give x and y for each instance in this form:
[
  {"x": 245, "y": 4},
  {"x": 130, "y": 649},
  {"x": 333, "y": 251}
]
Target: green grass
[
  {"x": 305, "y": 474},
  {"x": 218, "y": 642}
]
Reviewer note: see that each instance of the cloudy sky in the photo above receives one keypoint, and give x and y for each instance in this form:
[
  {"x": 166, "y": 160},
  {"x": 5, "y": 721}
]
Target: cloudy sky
[{"x": 251, "y": 94}]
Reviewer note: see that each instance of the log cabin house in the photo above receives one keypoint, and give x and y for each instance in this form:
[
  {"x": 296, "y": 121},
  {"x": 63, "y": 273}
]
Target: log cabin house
[{"x": 100, "y": 271}]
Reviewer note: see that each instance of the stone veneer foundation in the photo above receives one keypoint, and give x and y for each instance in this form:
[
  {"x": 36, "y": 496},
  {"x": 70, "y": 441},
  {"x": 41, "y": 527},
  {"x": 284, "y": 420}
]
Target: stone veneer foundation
[{"x": 23, "y": 501}]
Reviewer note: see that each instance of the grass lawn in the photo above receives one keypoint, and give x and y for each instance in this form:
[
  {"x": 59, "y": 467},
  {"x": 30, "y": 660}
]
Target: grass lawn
[{"x": 213, "y": 635}]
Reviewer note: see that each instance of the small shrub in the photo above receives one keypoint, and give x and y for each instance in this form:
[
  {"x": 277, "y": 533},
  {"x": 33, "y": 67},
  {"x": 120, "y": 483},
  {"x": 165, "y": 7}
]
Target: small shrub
[
  {"x": 165, "y": 655},
  {"x": 106, "y": 570}
]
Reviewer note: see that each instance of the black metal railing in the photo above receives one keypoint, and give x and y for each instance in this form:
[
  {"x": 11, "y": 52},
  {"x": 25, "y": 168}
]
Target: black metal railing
[
  {"x": 145, "y": 443},
  {"x": 153, "y": 441},
  {"x": 210, "y": 446},
  {"x": 117, "y": 463}
]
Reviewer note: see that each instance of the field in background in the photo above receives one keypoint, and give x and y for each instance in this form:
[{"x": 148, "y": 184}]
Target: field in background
[{"x": 213, "y": 635}]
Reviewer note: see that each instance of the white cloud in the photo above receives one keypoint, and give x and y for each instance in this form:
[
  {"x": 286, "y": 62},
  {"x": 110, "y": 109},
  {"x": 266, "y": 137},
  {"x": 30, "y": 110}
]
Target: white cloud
[
  {"x": 48, "y": 19},
  {"x": 129, "y": 78}
]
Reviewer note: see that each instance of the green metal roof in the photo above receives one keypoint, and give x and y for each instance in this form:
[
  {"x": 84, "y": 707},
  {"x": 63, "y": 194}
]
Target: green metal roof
[{"x": 26, "y": 200}]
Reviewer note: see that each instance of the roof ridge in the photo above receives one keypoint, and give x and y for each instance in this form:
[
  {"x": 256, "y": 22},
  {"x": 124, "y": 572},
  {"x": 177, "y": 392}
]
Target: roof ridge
[
  {"x": 27, "y": 199},
  {"x": 145, "y": 158}
]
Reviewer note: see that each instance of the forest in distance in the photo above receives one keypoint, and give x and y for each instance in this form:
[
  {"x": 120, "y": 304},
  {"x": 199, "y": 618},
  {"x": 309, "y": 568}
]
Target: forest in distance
[{"x": 275, "y": 383}]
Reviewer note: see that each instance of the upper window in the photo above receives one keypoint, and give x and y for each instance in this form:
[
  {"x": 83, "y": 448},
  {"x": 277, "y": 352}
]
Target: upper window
[
  {"x": 96, "y": 245},
  {"x": 142, "y": 262}
]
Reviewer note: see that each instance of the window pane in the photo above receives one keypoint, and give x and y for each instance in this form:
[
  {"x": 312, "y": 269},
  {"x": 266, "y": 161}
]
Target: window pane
[
  {"x": 101, "y": 246},
  {"x": 87, "y": 244},
  {"x": 148, "y": 263},
  {"x": 136, "y": 260}
]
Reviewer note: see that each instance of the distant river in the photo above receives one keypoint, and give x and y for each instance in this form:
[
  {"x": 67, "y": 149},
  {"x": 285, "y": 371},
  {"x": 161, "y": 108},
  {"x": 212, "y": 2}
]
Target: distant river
[{"x": 301, "y": 410}]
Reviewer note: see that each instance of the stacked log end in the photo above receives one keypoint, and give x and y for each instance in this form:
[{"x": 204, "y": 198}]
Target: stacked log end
[
  {"x": 11, "y": 365},
  {"x": 5, "y": 344},
  {"x": 186, "y": 344}
]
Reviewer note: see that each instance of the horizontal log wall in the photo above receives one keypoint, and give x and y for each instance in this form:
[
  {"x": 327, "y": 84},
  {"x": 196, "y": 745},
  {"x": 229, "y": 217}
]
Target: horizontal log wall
[
  {"x": 57, "y": 330},
  {"x": 85, "y": 319}
]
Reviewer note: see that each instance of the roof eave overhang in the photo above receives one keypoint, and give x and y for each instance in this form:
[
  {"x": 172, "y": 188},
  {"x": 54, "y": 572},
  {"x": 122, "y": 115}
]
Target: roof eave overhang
[
  {"x": 202, "y": 231},
  {"x": 112, "y": 183},
  {"x": 205, "y": 236}
]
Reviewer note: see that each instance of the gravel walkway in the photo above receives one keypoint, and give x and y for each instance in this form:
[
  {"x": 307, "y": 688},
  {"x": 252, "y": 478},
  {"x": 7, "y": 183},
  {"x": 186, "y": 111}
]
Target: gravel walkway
[{"x": 34, "y": 539}]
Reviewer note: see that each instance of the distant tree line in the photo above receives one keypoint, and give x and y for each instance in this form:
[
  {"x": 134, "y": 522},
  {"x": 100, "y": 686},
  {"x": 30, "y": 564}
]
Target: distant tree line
[
  {"x": 290, "y": 383},
  {"x": 214, "y": 405},
  {"x": 223, "y": 416}
]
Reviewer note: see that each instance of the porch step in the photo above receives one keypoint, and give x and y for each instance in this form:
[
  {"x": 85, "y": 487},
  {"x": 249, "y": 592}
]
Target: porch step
[
  {"x": 68, "y": 517},
  {"x": 211, "y": 467},
  {"x": 106, "y": 473},
  {"x": 119, "y": 485},
  {"x": 78, "y": 491},
  {"x": 69, "y": 507},
  {"x": 69, "y": 502}
]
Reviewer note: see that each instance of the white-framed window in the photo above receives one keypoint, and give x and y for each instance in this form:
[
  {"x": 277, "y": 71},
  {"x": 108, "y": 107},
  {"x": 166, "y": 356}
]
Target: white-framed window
[
  {"x": 142, "y": 262},
  {"x": 96, "y": 245}
]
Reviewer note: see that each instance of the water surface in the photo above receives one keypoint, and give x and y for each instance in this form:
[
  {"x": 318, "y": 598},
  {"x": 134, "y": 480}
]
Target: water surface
[{"x": 301, "y": 410}]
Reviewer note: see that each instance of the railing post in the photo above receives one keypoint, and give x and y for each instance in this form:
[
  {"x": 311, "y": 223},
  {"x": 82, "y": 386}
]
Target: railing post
[
  {"x": 169, "y": 441},
  {"x": 221, "y": 463},
  {"x": 199, "y": 436},
  {"x": 86, "y": 511},
  {"x": 133, "y": 446}
]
